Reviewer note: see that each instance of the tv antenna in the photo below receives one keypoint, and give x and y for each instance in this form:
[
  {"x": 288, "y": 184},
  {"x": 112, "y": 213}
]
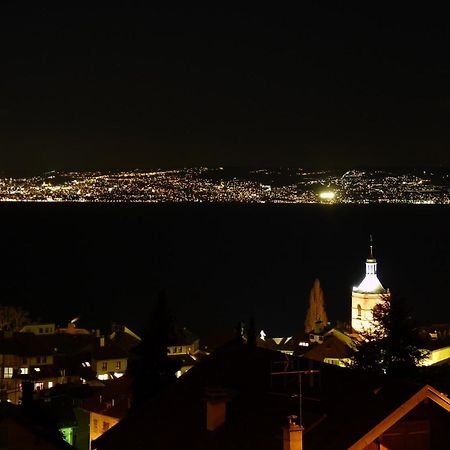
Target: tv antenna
[{"x": 299, "y": 374}]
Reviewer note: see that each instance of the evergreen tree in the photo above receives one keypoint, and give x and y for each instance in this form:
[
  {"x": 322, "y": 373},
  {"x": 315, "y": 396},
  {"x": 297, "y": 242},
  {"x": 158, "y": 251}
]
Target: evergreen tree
[
  {"x": 152, "y": 370},
  {"x": 392, "y": 346},
  {"x": 251, "y": 333},
  {"x": 316, "y": 310}
]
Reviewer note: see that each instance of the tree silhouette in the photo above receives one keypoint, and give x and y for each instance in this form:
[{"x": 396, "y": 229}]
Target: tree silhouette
[
  {"x": 13, "y": 318},
  {"x": 251, "y": 333},
  {"x": 316, "y": 310},
  {"x": 152, "y": 370},
  {"x": 392, "y": 345}
]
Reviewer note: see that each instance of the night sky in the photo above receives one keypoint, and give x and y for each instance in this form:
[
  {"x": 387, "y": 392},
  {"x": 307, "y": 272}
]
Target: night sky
[{"x": 137, "y": 86}]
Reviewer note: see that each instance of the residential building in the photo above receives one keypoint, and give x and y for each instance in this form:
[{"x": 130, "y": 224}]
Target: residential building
[
  {"x": 108, "y": 406},
  {"x": 241, "y": 397}
]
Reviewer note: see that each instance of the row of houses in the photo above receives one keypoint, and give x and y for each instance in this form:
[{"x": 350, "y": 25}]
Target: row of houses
[
  {"x": 254, "y": 398},
  {"x": 68, "y": 355},
  {"x": 78, "y": 376}
]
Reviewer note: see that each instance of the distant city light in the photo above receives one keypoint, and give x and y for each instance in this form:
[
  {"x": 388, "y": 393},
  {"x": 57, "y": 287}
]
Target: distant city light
[
  {"x": 327, "y": 195},
  {"x": 202, "y": 184}
]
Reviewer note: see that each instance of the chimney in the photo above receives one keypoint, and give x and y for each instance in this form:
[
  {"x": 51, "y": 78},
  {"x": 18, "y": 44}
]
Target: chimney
[
  {"x": 102, "y": 341},
  {"x": 292, "y": 435},
  {"x": 318, "y": 327},
  {"x": 216, "y": 402}
]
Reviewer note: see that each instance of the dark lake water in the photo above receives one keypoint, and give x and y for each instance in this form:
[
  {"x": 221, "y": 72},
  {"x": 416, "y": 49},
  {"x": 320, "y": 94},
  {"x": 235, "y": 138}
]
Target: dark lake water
[{"x": 217, "y": 263}]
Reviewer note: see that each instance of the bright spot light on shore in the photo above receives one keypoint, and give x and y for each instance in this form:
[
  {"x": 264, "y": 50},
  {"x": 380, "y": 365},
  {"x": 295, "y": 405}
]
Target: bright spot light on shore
[{"x": 327, "y": 195}]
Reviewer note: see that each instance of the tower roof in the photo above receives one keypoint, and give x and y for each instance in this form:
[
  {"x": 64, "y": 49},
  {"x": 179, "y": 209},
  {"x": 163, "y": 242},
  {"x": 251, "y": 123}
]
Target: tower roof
[{"x": 371, "y": 284}]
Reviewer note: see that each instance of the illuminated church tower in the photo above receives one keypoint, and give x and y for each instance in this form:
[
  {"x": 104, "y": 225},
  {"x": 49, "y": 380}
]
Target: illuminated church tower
[{"x": 367, "y": 295}]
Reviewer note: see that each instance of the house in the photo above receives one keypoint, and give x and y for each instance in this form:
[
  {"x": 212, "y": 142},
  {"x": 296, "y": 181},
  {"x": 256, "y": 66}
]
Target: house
[
  {"x": 39, "y": 328},
  {"x": 334, "y": 347},
  {"x": 185, "y": 349},
  {"x": 50, "y": 358},
  {"x": 25, "y": 355},
  {"x": 108, "y": 359},
  {"x": 394, "y": 416},
  {"x": 108, "y": 406},
  {"x": 241, "y": 397}
]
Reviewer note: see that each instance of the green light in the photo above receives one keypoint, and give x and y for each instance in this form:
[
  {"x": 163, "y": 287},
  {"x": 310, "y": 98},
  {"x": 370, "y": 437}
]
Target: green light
[{"x": 67, "y": 434}]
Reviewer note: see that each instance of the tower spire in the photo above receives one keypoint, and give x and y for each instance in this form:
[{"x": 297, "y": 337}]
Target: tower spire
[{"x": 371, "y": 247}]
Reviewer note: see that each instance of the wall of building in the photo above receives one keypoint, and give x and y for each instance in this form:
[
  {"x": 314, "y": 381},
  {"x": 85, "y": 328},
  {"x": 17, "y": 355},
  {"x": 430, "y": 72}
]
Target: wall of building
[
  {"x": 437, "y": 355},
  {"x": 40, "y": 360},
  {"x": 366, "y": 303},
  {"x": 105, "y": 366},
  {"x": 99, "y": 424},
  {"x": 39, "y": 329}
]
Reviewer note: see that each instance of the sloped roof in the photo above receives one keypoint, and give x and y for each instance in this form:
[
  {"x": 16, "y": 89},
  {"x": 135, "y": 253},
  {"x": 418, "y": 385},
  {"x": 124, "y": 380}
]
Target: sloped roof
[
  {"x": 111, "y": 350},
  {"x": 427, "y": 392},
  {"x": 338, "y": 413},
  {"x": 370, "y": 285},
  {"x": 332, "y": 347},
  {"x": 113, "y": 400},
  {"x": 124, "y": 340},
  {"x": 34, "y": 424},
  {"x": 363, "y": 415},
  {"x": 245, "y": 374}
]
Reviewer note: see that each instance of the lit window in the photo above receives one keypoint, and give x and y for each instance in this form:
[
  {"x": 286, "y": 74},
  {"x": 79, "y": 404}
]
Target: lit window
[
  {"x": 103, "y": 376},
  {"x": 50, "y": 384},
  {"x": 24, "y": 371},
  {"x": 8, "y": 372},
  {"x": 39, "y": 386}
]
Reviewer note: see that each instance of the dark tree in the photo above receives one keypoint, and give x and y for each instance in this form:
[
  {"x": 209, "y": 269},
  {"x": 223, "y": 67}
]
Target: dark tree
[
  {"x": 251, "y": 333},
  {"x": 239, "y": 332},
  {"x": 13, "y": 318},
  {"x": 392, "y": 347},
  {"x": 152, "y": 370}
]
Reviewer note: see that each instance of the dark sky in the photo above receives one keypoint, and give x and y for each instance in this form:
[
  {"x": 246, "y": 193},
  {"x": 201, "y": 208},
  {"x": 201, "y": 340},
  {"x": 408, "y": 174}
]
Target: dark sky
[{"x": 310, "y": 85}]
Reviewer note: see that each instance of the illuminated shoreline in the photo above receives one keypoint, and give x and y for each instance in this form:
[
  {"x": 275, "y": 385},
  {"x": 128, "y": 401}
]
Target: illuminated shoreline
[{"x": 211, "y": 185}]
